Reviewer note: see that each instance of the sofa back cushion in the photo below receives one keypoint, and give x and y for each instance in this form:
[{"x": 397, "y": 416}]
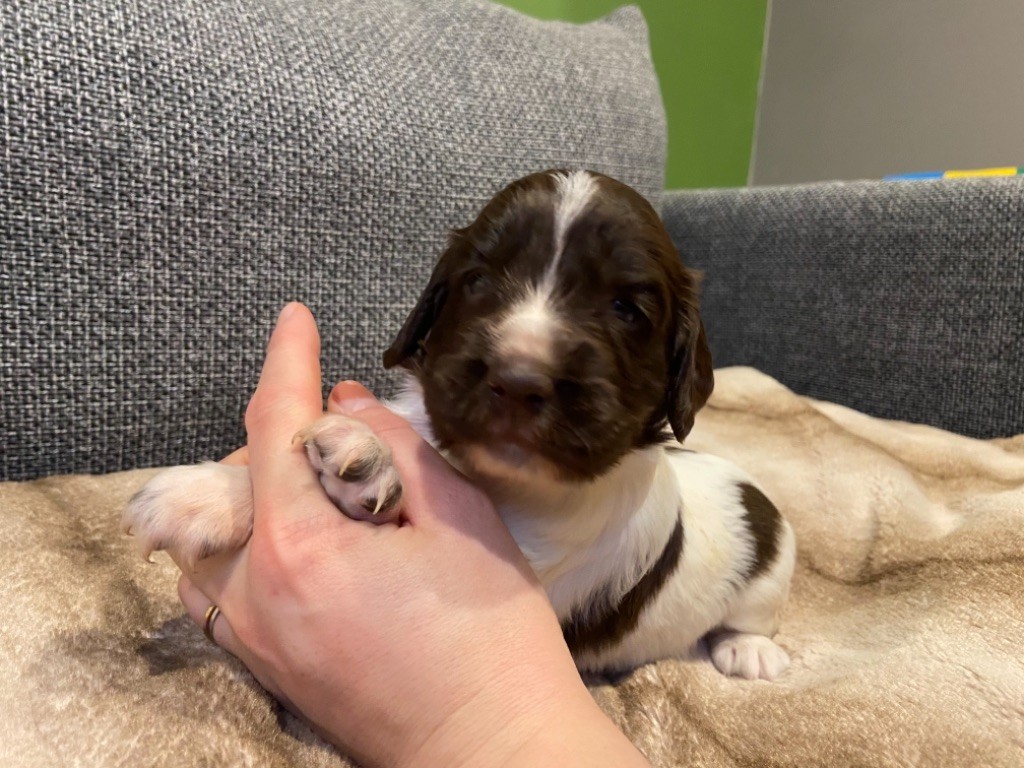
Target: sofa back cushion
[
  {"x": 174, "y": 171},
  {"x": 902, "y": 300}
]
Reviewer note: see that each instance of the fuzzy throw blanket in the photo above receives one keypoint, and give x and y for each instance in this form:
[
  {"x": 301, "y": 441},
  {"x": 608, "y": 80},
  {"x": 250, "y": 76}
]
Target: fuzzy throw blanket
[{"x": 905, "y": 625}]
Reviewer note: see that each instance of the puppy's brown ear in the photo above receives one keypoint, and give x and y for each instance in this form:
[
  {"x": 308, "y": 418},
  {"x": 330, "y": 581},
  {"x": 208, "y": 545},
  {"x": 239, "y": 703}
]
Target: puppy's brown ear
[
  {"x": 407, "y": 348},
  {"x": 691, "y": 375}
]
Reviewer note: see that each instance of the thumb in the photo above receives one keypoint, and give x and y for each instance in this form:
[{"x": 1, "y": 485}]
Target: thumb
[{"x": 350, "y": 397}]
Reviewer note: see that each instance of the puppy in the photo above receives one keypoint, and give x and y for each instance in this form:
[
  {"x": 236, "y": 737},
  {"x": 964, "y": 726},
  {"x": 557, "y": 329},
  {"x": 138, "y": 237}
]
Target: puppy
[{"x": 558, "y": 358}]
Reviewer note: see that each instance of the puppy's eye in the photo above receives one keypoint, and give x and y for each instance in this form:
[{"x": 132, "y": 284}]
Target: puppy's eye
[
  {"x": 626, "y": 311},
  {"x": 476, "y": 283}
]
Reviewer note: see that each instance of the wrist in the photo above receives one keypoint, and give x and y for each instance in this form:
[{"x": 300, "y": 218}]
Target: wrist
[
  {"x": 551, "y": 720},
  {"x": 577, "y": 736}
]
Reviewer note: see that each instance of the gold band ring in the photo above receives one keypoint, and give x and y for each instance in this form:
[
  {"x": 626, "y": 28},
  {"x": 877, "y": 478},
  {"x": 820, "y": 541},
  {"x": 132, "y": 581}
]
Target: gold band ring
[{"x": 211, "y": 616}]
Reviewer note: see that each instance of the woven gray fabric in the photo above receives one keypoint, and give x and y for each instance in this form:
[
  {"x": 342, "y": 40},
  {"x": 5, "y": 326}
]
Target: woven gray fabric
[
  {"x": 905, "y": 301},
  {"x": 173, "y": 171}
]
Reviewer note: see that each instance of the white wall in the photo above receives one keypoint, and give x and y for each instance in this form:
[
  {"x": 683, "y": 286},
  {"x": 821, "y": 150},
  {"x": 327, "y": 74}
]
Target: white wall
[{"x": 862, "y": 88}]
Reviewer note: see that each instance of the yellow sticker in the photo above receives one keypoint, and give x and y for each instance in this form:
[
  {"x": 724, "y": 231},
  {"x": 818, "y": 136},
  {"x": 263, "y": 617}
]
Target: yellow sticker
[{"x": 980, "y": 172}]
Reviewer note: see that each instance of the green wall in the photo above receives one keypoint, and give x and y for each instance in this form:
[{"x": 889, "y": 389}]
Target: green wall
[{"x": 707, "y": 54}]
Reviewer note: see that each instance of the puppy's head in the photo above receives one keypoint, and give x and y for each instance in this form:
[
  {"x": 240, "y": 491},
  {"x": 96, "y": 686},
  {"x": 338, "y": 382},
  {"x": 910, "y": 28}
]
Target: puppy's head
[{"x": 558, "y": 330}]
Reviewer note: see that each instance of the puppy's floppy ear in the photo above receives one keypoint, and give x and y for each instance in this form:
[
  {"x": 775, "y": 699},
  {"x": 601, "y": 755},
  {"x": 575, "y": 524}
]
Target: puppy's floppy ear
[
  {"x": 691, "y": 377},
  {"x": 407, "y": 350}
]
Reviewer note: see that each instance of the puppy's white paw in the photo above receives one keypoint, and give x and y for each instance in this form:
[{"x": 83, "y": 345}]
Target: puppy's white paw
[
  {"x": 355, "y": 467},
  {"x": 745, "y": 655},
  {"x": 194, "y": 511}
]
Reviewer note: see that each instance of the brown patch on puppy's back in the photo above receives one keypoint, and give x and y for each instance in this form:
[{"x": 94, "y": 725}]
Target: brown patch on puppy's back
[{"x": 764, "y": 522}]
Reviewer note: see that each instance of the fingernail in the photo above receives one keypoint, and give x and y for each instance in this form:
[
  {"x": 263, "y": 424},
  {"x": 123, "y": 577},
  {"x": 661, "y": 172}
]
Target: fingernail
[
  {"x": 356, "y": 404},
  {"x": 287, "y": 312},
  {"x": 352, "y": 397}
]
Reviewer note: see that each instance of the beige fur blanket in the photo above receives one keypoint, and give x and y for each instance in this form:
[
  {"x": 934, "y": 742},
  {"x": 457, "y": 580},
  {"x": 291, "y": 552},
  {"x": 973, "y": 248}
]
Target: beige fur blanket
[{"x": 906, "y": 622}]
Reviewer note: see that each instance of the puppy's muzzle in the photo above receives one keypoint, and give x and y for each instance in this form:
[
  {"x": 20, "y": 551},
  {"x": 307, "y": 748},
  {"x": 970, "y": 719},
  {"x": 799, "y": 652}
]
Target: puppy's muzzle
[{"x": 520, "y": 388}]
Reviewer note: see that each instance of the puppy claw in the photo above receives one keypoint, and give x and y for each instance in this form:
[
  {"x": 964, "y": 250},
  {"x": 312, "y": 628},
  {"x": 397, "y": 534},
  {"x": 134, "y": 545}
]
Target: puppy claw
[
  {"x": 343, "y": 468},
  {"x": 145, "y": 549},
  {"x": 355, "y": 468}
]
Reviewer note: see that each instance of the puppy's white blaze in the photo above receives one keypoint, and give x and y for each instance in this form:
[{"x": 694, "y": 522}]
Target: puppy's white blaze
[
  {"x": 529, "y": 329},
  {"x": 575, "y": 190}
]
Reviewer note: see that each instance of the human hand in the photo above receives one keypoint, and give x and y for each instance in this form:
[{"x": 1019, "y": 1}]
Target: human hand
[{"x": 429, "y": 642}]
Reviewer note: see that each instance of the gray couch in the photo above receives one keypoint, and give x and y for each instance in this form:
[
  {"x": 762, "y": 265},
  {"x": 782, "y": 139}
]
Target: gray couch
[{"x": 174, "y": 171}]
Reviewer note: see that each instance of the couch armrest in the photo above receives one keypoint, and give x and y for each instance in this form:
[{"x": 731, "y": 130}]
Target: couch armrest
[{"x": 902, "y": 300}]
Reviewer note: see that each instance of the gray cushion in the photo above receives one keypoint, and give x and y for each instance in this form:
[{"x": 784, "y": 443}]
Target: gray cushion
[
  {"x": 905, "y": 301},
  {"x": 174, "y": 171}
]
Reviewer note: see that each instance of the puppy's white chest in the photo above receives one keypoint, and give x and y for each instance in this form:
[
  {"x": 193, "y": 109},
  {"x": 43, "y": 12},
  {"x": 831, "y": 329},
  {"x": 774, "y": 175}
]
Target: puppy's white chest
[{"x": 590, "y": 544}]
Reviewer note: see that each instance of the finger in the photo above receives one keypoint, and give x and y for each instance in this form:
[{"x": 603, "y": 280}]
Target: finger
[
  {"x": 217, "y": 576},
  {"x": 351, "y": 398},
  {"x": 197, "y": 603},
  {"x": 287, "y": 399},
  {"x": 238, "y": 458}
]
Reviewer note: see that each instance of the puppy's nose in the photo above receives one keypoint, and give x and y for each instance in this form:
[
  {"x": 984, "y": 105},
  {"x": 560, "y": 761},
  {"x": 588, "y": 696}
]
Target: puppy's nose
[{"x": 521, "y": 386}]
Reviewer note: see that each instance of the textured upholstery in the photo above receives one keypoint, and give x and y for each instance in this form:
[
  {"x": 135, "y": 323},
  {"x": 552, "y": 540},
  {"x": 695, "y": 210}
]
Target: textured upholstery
[
  {"x": 901, "y": 300},
  {"x": 173, "y": 171}
]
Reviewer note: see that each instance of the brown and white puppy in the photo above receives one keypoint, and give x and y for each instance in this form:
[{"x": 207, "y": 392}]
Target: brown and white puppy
[{"x": 556, "y": 344}]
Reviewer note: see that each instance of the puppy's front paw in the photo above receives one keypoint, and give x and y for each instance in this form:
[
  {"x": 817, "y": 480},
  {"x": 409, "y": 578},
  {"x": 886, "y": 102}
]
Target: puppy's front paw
[
  {"x": 194, "y": 511},
  {"x": 746, "y": 655},
  {"x": 355, "y": 468}
]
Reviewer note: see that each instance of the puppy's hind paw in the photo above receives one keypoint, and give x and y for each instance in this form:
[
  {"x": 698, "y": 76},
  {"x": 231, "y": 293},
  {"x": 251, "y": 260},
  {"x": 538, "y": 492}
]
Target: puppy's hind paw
[{"x": 746, "y": 655}]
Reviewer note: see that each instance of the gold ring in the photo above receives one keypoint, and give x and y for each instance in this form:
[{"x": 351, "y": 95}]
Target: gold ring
[{"x": 211, "y": 616}]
